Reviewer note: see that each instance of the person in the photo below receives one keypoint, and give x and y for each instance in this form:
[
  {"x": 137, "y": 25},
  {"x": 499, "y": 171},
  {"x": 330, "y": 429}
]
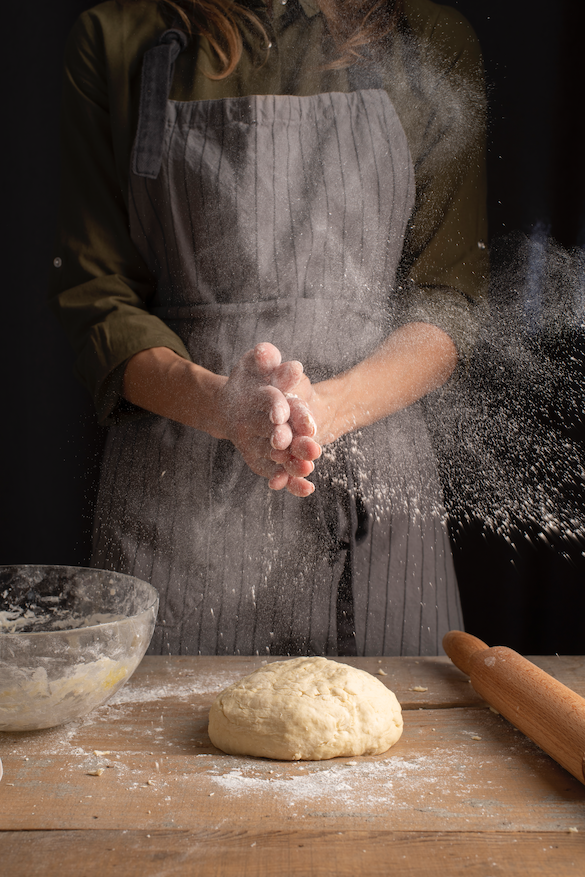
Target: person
[{"x": 270, "y": 249}]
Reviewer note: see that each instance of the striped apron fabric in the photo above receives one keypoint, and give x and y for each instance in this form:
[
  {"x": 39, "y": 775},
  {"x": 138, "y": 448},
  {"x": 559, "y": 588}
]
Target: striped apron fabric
[{"x": 277, "y": 218}]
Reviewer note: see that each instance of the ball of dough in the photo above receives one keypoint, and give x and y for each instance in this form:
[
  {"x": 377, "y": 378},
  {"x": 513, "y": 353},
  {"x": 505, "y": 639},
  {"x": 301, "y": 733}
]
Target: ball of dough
[{"x": 305, "y": 708}]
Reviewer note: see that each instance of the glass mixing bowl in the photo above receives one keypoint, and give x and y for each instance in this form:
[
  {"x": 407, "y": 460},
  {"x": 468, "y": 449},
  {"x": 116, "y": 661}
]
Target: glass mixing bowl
[{"x": 70, "y": 637}]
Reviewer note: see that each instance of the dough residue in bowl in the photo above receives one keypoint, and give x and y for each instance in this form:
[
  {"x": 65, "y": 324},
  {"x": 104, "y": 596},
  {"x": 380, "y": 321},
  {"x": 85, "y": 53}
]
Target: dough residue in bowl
[
  {"x": 30, "y": 699},
  {"x": 45, "y": 619}
]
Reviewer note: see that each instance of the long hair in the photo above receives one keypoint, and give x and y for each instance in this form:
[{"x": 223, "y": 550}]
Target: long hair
[{"x": 352, "y": 24}]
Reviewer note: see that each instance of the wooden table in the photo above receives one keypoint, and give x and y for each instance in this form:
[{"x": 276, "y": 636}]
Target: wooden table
[{"x": 136, "y": 789}]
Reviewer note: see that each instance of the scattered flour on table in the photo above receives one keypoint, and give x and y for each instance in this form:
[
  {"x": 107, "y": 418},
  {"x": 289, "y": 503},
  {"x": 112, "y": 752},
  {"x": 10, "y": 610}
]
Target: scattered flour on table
[
  {"x": 371, "y": 784},
  {"x": 198, "y": 684}
]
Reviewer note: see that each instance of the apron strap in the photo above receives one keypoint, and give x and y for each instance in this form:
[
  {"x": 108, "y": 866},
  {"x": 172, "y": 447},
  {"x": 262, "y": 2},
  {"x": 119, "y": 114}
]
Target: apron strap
[{"x": 157, "y": 76}]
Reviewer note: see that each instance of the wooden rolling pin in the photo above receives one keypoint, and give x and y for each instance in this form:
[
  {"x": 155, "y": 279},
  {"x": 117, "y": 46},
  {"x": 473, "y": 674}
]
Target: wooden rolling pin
[{"x": 544, "y": 709}]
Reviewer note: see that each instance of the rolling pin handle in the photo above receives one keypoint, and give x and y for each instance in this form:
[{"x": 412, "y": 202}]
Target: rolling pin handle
[{"x": 461, "y": 647}]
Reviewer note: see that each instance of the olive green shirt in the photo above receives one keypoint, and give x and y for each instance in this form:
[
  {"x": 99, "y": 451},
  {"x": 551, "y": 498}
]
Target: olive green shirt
[{"x": 431, "y": 68}]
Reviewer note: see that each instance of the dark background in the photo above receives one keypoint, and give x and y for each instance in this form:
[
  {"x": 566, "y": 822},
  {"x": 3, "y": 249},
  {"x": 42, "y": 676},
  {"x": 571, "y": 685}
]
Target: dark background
[{"x": 532, "y": 598}]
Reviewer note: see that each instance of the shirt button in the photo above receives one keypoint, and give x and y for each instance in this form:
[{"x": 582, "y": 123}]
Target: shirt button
[{"x": 57, "y": 262}]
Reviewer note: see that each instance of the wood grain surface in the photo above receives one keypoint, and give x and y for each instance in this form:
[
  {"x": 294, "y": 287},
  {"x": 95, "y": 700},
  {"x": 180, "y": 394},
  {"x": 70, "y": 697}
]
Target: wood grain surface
[
  {"x": 291, "y": 854},
  {"x": 137, "y": 788}
]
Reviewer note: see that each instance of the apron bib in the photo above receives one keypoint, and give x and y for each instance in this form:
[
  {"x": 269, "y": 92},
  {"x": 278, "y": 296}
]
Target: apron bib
[{"x": 276, "y": 218}]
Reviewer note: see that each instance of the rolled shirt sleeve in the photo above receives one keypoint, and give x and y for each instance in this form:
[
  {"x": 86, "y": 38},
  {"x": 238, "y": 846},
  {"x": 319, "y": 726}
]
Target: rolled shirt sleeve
[
  {"x": 100, "y": 287},
  {"x": 435, "y": 78}
]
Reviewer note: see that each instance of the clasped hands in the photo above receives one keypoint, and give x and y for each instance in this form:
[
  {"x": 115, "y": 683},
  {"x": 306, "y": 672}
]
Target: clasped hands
[
  {"x": 268, "y": 422},
  {"x": 270, "y": 410}
]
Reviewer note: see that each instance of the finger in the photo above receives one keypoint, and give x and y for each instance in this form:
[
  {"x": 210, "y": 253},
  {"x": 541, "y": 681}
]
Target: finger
[
  {"x": 279, "y": 456},
  {"x": 301, "y": 419},
  {"x": 287, "y": 376},
  {"x": 264, "y": 407},
  {"x": 304, "y": 448},
  {"x": 301, "y": 448},
  {"x": 292, "y": 465},
  {"x": 266, "y": 358},
  {"x": 256, "y": 452},
  {"x": 278, "y": 481},
  {"x": 281, "y": 437},
  {"x": 265, "y": 468},
  {"x": 300, "y": 487},
  {"x": 299, "y": 468},
  {"x": 246, "y": 367},
  {"x": 274, "y": 403}
]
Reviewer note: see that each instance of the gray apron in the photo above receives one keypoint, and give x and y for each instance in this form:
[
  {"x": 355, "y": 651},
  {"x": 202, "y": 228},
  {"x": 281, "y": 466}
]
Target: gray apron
[{"x": 276, "y": 218}]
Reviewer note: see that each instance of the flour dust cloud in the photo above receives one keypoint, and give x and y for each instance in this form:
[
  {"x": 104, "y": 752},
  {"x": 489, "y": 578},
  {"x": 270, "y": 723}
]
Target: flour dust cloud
[{"x": 509, "y": 429}]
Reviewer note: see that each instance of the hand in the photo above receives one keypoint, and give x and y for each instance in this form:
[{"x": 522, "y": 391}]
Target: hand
[
  {"x": 415, "y": 359},
  {"x": 269, "y": 408},
  {"x": 255, "y": 412}
]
